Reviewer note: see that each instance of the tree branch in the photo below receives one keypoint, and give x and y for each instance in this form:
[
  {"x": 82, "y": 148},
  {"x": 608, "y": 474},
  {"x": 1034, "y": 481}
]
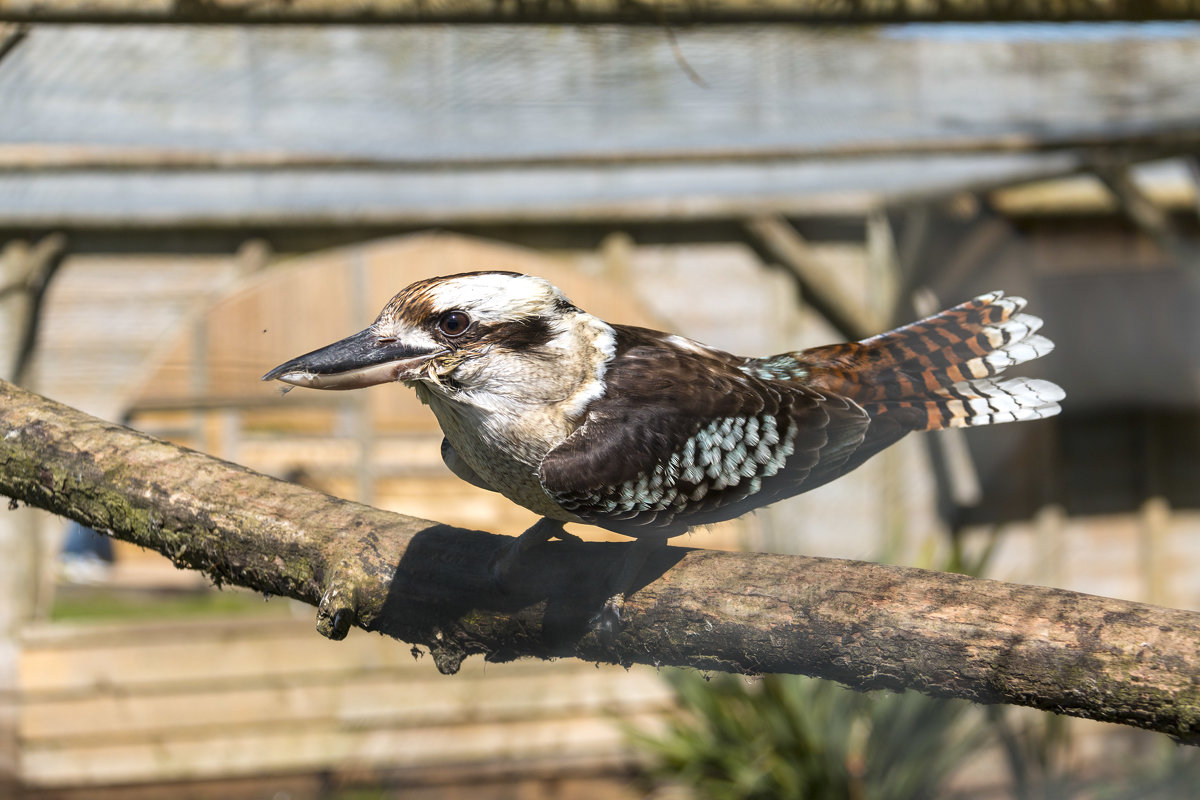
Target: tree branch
[{"x": 866, "y": 625}]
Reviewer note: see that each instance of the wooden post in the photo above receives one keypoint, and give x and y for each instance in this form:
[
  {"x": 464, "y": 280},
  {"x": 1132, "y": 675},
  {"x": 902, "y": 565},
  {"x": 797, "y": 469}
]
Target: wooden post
[
  {"x": 616, "y": 255},
  {"x": 883, "y": 271},
  {"x": 1154, "y": 524},
  {"x": 1049, "y": 544},
  {"x": 1193, "y": 165},
  {"x": 18, "y": 547},
  {"x": 21, "y": 271},
  {"x": 1154, "y": 518}
]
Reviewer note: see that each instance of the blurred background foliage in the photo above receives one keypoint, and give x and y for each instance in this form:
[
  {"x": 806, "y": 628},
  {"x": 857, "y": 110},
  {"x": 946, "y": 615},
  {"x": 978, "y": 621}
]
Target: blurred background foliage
[
  {"x": 787, "y": 737},
  {"x": 783, "y": 736}
]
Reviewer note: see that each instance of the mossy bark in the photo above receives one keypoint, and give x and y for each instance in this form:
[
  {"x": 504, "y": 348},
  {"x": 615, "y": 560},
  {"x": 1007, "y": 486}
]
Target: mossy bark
[{"x": 866, "y": 625}]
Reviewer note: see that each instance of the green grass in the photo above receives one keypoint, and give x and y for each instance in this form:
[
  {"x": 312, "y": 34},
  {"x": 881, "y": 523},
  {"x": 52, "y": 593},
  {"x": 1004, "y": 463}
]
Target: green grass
[{"x": 94, "y": 603}]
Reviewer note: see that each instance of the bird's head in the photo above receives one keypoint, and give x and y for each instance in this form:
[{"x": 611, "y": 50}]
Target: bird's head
[{"x": 433, "y": 330}]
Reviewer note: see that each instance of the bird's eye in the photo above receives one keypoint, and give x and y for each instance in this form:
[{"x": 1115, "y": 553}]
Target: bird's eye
[{"x": 454, "y": 323}]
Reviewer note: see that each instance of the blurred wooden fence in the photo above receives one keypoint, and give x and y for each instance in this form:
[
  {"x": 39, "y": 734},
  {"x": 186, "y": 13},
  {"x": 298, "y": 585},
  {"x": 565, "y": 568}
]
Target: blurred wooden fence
[{"x": 144, "y": 706}]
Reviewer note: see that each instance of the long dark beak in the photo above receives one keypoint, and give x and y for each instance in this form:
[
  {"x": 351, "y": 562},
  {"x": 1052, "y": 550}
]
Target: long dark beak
[{"x": 363, "y": 359}]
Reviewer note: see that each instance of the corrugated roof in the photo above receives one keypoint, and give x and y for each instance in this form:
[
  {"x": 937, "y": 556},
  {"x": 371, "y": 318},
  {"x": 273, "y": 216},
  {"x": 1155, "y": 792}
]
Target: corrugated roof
[{"x": 472, "y": 92}]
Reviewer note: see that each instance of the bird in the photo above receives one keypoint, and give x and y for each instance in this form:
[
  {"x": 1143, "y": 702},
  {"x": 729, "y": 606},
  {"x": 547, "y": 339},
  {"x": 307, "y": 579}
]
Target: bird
[{"x": 651, "y": 434}]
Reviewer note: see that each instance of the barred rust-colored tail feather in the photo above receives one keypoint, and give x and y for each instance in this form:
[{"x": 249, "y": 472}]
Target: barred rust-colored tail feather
[{"x": 941, "y": 372}]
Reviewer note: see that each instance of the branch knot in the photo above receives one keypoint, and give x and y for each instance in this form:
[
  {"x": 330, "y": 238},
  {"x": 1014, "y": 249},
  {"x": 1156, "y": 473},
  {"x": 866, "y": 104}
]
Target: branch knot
[{"x": 338, "y": 609}]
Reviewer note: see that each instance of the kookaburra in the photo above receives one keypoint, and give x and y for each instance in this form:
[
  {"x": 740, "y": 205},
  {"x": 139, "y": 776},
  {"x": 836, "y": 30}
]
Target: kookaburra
[{"x": 649, "y": 434}]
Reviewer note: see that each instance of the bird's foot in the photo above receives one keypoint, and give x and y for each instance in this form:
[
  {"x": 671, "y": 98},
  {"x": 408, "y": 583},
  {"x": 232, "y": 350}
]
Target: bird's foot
[
  {"x": 608, "y": 622},
  {"x": 505, "y": 562}
]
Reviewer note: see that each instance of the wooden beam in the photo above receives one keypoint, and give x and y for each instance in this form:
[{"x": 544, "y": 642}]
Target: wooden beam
[
  {"x": 589, "y": 213},
  {"x": 20, "y": 266},
  {"x": 1153, "y": 220},
  {"x": 25, "y": 275},
  {"x": 649, "y": 12},
  {"x": 778, "y": 241},
  {"x": 974, "y": 253},
  {"x": 1193, "y": 166},
  {"x": 1152, "y": 143},
  {"x": 1134, "y": 203},
  {"x": 10, "y": 37}
]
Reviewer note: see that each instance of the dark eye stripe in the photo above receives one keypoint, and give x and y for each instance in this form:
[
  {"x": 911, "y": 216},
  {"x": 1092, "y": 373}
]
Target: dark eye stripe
[{"x": 528, "y": 335}]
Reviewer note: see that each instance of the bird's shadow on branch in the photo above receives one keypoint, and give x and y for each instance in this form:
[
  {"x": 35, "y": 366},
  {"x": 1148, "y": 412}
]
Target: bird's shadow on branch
[{"x": 442, "y": 594}]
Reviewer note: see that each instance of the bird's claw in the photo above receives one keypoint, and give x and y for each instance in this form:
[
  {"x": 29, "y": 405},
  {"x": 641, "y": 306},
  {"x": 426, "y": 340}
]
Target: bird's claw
[{"x": 608, "y": 622}]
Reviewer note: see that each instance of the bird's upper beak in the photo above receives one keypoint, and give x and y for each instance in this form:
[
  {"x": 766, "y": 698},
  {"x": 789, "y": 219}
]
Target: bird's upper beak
[{"x": 363, "y": 359}]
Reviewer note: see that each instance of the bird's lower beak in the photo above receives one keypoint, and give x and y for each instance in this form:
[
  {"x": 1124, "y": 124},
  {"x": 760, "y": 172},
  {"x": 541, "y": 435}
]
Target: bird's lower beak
[{"x": 363, "y": 359}]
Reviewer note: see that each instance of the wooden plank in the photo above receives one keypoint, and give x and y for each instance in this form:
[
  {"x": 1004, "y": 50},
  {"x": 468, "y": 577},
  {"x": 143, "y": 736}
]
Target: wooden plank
[
  {"x": 114, "y": 653},
  {"x": 183, "y": 664},
  {"x": 151, "y": 703},
  {"x": 66, "y": 636},
  {"x": 213, "y": 701},
  {"x": 239, "y": 753},
  {"x": 653, "y": 12},
  {"x": 596, "y": 779},
  {"x": 1154, "y": 142},
  {"x": 121, "y": 714},
  {"x": 83, "y": 658}
]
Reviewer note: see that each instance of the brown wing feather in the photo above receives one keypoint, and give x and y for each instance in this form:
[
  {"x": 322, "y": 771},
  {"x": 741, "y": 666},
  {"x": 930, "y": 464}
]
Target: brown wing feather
[
  {"x": 684, "y": 437},
  {"x": 679, "y": 437}
]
